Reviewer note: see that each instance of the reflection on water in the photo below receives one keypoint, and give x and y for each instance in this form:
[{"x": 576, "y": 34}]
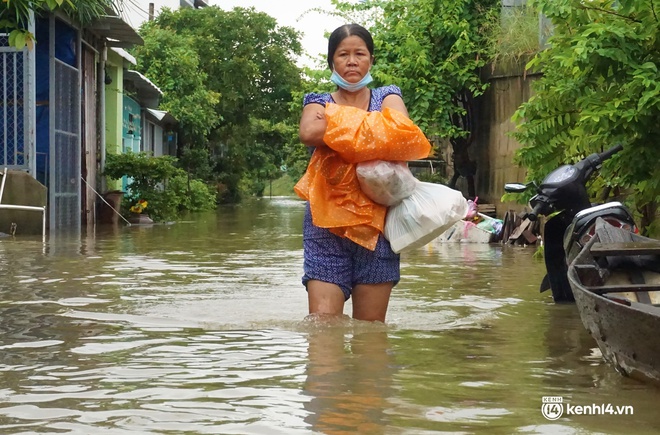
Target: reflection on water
[
  {"x": 349, "y": 378},
  {"x": 199, "y": 327}
]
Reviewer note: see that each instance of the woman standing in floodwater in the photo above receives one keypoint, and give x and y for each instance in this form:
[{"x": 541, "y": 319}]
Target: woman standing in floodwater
[{"x": 336, "y": 268}]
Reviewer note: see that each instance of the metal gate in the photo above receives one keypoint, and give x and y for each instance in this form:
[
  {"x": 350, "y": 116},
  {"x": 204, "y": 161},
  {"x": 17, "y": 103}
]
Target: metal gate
[
  {"x": 16, "y": 101},
  {"x": 64, "y": 181}
]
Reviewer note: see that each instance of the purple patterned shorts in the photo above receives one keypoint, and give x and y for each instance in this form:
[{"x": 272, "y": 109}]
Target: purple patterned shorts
[{"x": 340, "y": 261}]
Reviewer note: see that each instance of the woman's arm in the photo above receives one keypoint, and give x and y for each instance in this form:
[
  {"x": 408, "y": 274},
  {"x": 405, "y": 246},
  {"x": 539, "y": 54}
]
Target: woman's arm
[
  {"x": 394, "y": 101},
  {"x": 313, "y": 125}
]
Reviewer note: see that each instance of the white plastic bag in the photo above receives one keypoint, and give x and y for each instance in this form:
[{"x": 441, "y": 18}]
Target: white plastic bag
[
  {"x": 384, "y": 182},
  {"x": 428, "y": 212}
]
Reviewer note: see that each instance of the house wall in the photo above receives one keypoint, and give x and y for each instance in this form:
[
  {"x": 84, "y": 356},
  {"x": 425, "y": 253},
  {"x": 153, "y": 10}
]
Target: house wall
[
  {"x": 494, "y": 147},
  {"x": 114, "y": 100}
]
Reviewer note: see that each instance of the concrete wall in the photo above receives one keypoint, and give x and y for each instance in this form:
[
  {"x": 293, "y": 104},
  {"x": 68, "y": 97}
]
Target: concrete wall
[{"x": 494, "y": 147}]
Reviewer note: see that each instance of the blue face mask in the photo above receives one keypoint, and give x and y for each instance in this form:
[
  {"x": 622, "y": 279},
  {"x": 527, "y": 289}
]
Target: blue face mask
[{"x": 350, "y": 87}]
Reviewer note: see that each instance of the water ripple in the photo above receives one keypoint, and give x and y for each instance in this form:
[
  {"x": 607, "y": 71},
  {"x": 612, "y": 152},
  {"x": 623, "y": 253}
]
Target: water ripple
[{"x": 200, "y": 327}]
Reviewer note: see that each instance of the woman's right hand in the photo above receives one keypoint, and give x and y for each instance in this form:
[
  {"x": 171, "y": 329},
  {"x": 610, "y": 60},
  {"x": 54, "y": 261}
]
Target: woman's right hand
[{"x": 313, "y": 125}]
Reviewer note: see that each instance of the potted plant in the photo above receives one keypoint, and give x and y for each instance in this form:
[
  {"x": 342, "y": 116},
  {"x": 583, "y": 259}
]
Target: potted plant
[{"x": 137, "y": 216}]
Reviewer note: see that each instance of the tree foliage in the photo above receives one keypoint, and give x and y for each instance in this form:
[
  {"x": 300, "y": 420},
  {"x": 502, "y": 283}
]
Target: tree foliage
[
  {"x": 246, "y": 59},
  {"x": 170, "y": 60},
  {"x": 600, "y": 86}
]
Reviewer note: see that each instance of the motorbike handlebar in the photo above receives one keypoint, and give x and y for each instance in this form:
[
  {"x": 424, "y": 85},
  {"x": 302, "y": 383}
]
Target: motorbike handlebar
[
  {"x": 534, "y": 214},
  {"x": 609, "y": 153}
]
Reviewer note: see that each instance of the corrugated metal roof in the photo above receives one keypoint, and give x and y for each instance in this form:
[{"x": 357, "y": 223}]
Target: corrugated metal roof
[
  {"x": 141, "y": 82},
  {"x": 125, "y": 54},
  {"x": 162, "y": 116},
  {"x": 148, "y": 94},
  {"x": 117, "y": 31}
]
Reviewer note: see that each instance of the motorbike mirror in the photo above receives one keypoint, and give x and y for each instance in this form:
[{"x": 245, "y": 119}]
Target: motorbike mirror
[{"x": 515, "y": 187}]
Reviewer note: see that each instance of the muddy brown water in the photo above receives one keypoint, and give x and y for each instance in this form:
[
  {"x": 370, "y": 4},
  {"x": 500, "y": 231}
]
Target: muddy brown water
[{"x": 198, "y": 328}]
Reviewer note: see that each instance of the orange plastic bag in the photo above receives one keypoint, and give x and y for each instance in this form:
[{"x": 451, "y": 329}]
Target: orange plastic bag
[
  {"x": 358, "y": 135},
  {"x": 330, "y": 183},
  {"x": 332, "y": 188}
]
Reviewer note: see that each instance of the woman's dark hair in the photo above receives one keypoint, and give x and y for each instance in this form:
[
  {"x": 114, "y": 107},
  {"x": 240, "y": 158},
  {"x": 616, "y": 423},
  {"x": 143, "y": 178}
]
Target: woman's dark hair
[{"x": 343, "y": 32}]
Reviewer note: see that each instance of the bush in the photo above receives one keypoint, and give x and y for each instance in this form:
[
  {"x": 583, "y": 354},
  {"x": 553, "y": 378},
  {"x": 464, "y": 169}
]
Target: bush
[
  {"x": 195, "y": 194},
  {"x": 166, "y": 188}
]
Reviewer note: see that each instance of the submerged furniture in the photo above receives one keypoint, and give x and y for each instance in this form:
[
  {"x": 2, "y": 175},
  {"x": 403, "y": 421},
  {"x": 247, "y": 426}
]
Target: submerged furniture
[{"x": 4, "y": 175}]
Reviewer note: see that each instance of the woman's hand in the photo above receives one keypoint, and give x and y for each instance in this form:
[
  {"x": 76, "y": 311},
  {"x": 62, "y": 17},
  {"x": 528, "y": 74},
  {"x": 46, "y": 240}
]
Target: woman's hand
[{"x": 313, "y": 125}]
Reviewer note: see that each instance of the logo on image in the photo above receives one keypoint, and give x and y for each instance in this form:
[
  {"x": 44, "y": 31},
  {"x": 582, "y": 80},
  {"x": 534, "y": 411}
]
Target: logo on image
[{"x": 552, "y": 407}]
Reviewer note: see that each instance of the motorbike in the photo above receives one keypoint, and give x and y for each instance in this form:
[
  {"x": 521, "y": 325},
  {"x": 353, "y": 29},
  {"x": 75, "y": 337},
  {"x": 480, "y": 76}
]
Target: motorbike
[{"x": 563, "y": 194}]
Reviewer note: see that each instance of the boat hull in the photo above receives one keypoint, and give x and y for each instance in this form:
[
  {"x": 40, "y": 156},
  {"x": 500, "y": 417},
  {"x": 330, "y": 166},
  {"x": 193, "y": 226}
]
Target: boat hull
[
  {"x": 625, "y": 335},
  {"x": 623, "y": 323}
]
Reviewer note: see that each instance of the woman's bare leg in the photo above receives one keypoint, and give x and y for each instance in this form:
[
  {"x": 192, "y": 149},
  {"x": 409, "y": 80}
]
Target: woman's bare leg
[
  {"x": 370, "y": 301},
  {"x": 325, "y": 298}
]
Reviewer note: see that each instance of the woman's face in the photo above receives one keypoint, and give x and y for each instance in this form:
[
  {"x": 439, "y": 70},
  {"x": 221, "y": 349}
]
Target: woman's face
[{"x": 352, "y": 59}]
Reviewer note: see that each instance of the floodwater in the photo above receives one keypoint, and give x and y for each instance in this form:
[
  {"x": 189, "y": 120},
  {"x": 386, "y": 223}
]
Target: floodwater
[{"x": 198, "y": 328}]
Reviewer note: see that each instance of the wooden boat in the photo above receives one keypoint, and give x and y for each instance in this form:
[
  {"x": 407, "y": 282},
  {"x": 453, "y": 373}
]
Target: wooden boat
[{"x": 616, "y": 283}]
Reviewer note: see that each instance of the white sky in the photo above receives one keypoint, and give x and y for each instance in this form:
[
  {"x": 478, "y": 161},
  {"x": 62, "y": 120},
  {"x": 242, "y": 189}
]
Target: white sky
[{"x": 292, "y": 13}]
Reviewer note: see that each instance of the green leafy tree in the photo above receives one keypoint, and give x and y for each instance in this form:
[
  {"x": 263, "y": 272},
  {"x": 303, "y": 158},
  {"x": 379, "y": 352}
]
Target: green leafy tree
[
  {"x": 600, "y": 86},
  {"x": 170, "y": 60},
  {"x": 249, "y": 61}
]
